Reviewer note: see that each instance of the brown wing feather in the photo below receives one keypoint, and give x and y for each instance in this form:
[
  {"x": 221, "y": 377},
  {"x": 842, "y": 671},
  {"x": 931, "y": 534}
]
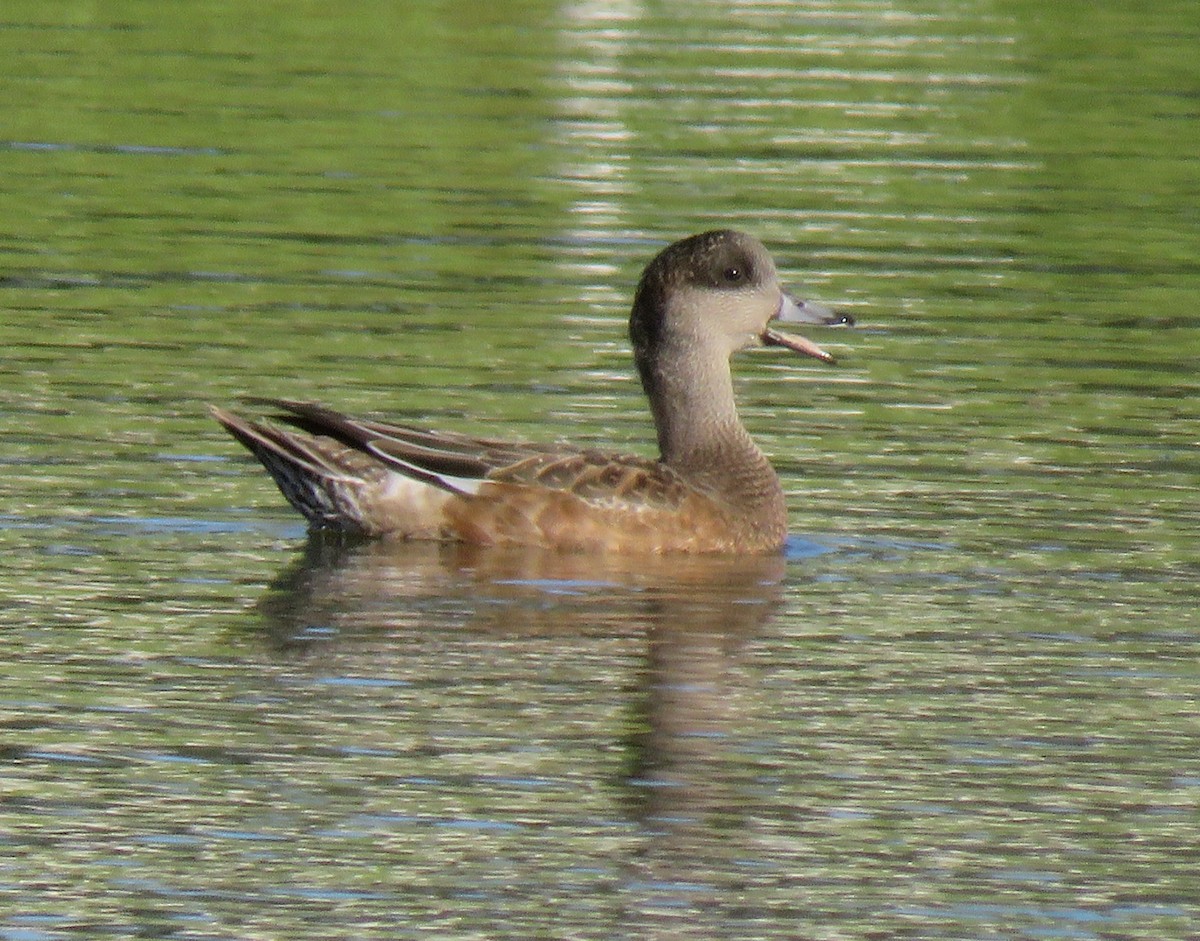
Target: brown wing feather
[
  {"x": 404, "y": 447},
  {"x": 598, "y": 478}
]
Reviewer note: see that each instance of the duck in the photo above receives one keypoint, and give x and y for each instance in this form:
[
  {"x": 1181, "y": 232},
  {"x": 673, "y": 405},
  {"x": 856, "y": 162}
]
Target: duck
[{"x": 699, "y": 301}]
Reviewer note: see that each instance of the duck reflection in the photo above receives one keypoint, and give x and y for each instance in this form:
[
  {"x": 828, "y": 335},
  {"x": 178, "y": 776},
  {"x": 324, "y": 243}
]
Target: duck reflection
[{"x": 684, "y": 620}]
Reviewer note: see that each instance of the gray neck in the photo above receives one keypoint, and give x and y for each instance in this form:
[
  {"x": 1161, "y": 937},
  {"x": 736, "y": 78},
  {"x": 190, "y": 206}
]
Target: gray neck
[{"x": 700, "y": 434}]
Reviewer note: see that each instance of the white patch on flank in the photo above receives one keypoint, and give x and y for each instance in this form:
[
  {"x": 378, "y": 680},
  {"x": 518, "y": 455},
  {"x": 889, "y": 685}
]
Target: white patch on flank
[
  {"x": 411, "y": 507},
  {"x": 401, "y": 489}
]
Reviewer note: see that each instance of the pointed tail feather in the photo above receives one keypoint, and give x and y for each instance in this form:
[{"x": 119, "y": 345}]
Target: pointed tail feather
[{"x": 309, "y": 479}]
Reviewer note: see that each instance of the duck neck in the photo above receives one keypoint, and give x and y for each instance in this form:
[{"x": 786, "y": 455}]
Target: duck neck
[{"x": 700, "y": 434}]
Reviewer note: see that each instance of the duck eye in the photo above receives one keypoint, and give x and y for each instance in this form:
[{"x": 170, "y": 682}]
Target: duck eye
[{"x": 733, "y": 275}]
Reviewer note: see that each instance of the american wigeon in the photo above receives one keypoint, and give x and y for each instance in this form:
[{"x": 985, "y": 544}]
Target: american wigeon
[{"x": 699, "y": 301}]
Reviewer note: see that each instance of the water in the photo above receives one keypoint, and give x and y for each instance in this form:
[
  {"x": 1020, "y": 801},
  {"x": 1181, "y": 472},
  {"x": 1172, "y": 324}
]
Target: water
[{"x": 961, "y": 706}]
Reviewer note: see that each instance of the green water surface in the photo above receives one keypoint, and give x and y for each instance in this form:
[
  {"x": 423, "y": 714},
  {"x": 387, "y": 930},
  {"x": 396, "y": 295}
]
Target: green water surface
[{"x": 963, "y": 705}]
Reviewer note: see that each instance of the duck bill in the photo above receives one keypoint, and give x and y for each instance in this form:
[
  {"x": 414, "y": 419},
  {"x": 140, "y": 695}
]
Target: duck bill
[{"x": 794, "y": 310}]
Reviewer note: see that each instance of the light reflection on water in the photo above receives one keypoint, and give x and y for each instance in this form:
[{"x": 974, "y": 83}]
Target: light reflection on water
[{"x": 660, "y": 736}]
